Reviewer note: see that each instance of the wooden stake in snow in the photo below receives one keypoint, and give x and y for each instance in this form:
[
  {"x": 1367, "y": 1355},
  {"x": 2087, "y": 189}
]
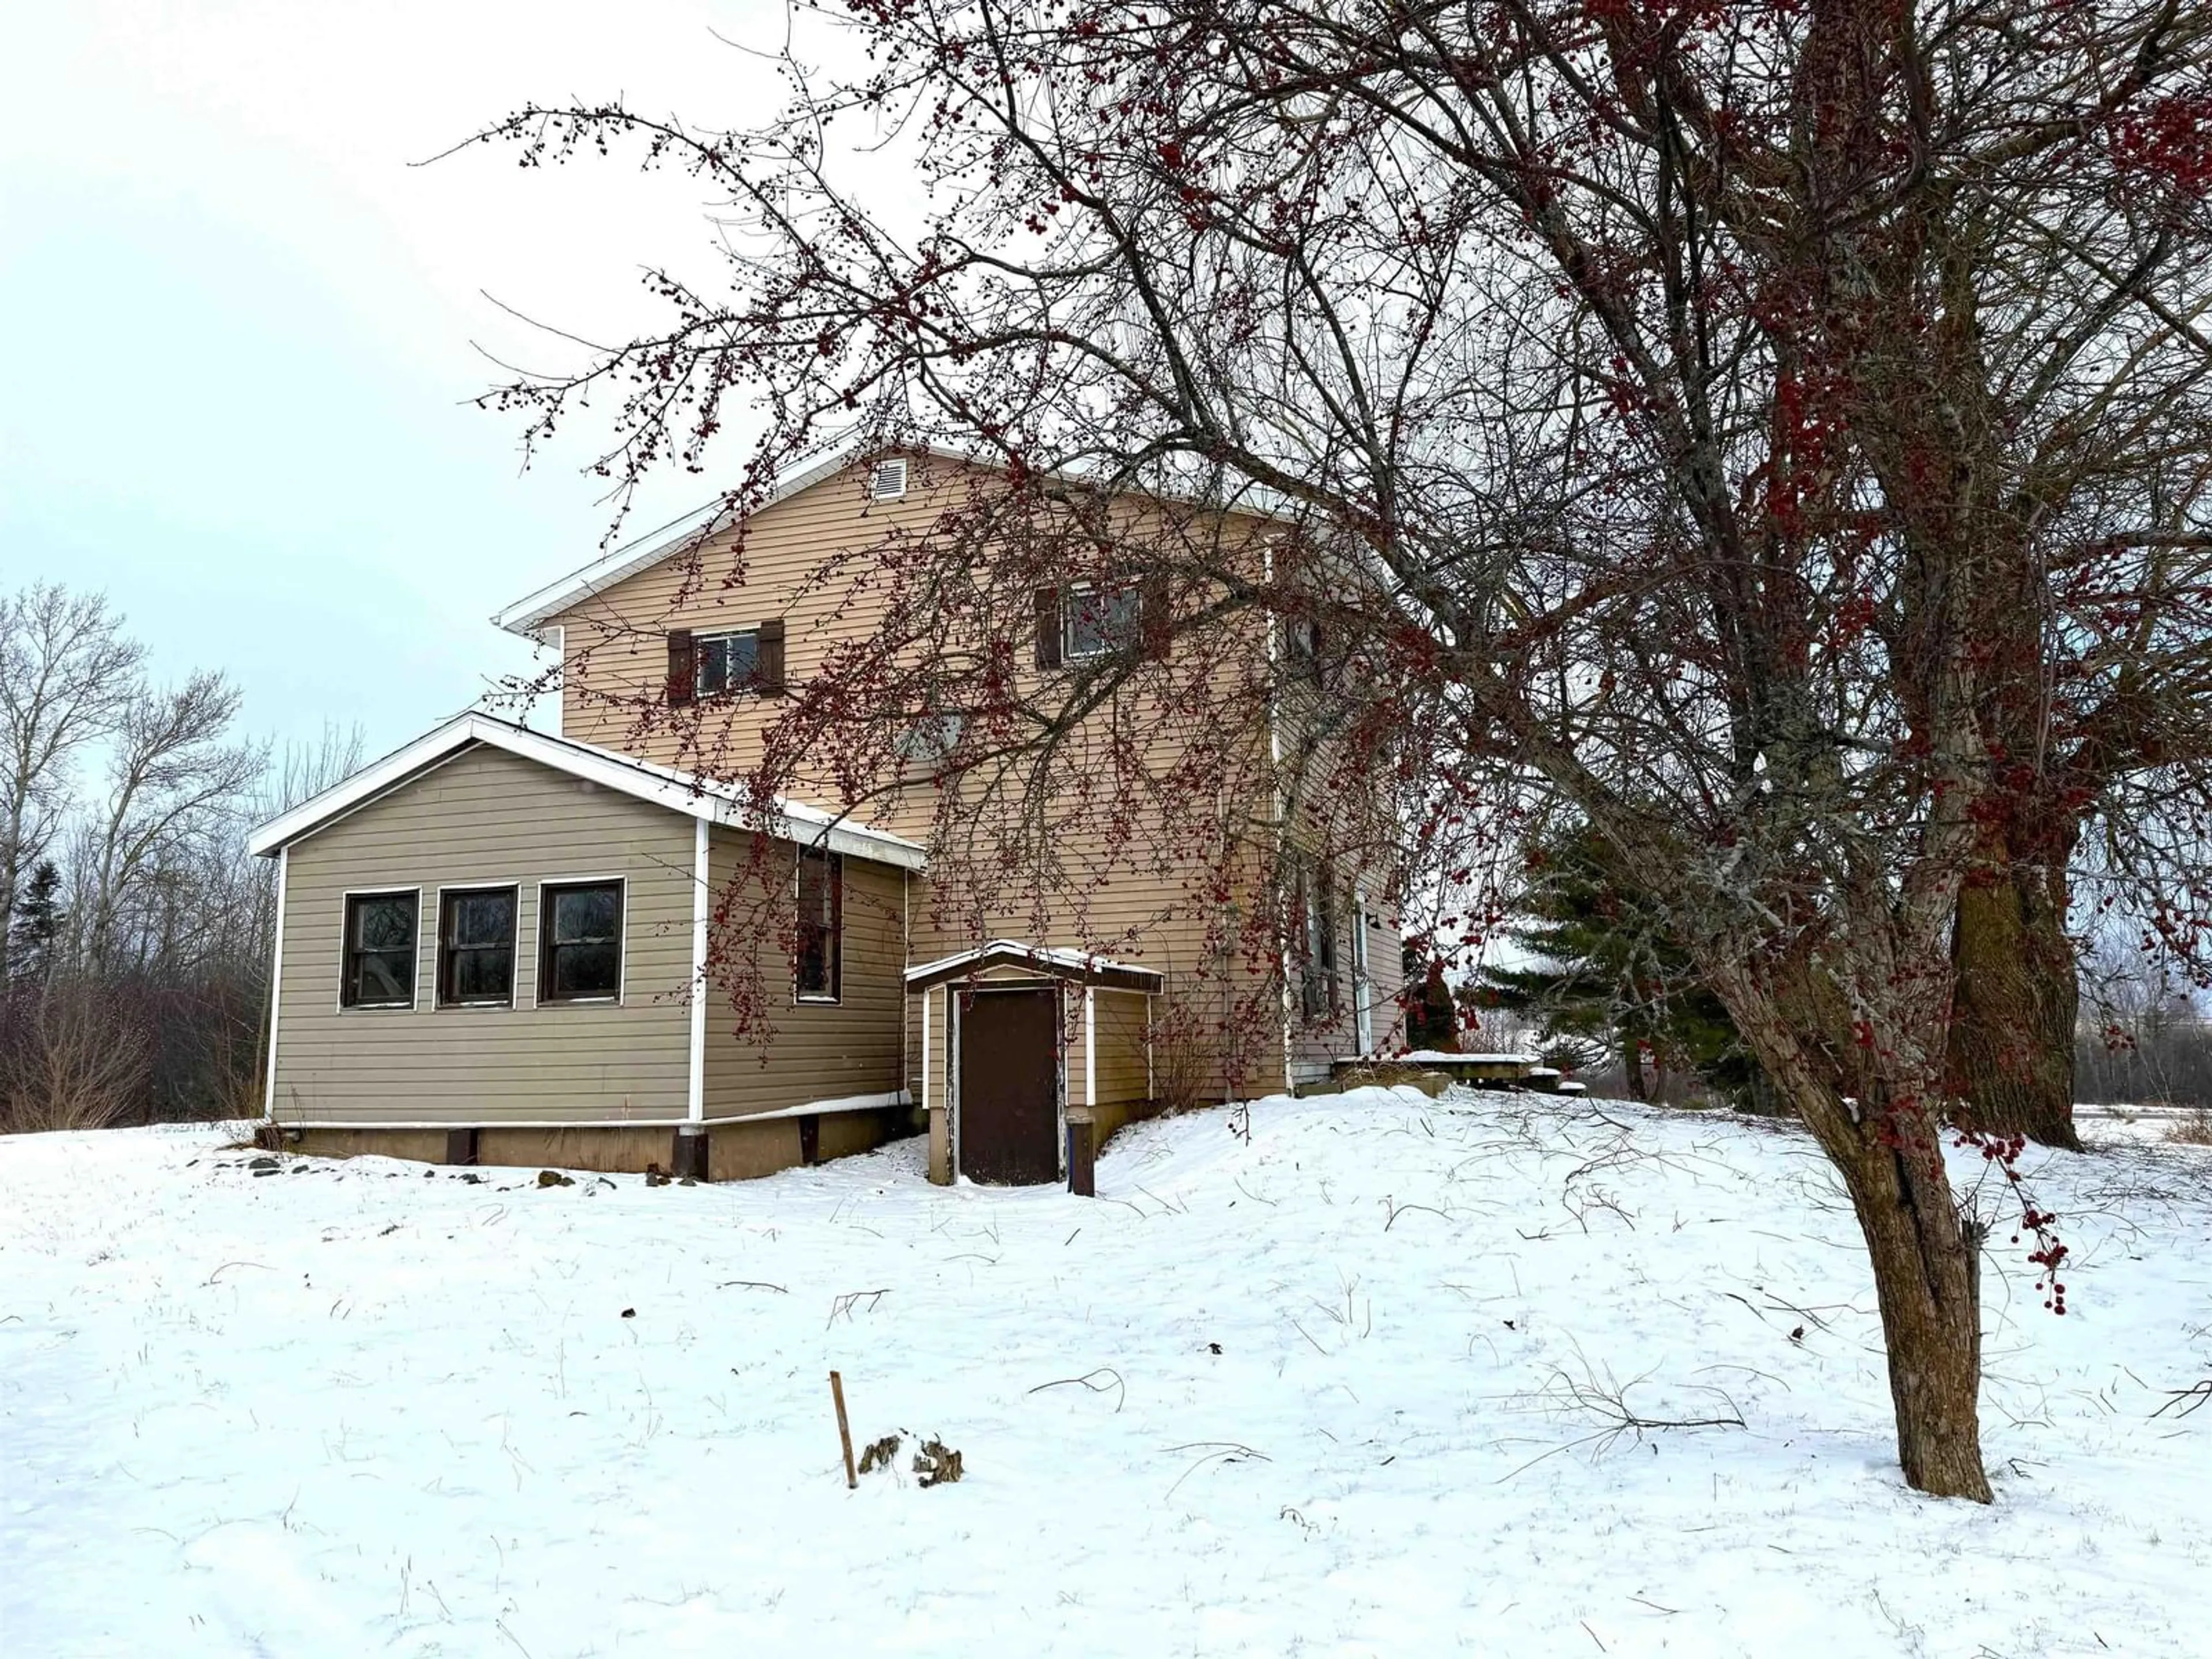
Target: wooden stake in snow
[{"x": 844, "y": 1429}]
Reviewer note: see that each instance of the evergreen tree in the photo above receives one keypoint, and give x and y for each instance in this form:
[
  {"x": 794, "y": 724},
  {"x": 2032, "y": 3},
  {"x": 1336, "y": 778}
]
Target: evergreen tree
[
  {"x": 1602, "y": 971},
  {"x": 35, "y": 926}
]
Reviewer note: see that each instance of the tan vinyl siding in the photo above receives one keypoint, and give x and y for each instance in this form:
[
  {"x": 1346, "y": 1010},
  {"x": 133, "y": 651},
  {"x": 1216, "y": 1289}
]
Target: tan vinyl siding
[
  {"x": 1119, "y": 1055},
  {"x": 939, "y": 998},
  {"x": 816, "y": 1051},
  {"x": 1135, "y": 906},
  {"x": 486, "y": 818}
]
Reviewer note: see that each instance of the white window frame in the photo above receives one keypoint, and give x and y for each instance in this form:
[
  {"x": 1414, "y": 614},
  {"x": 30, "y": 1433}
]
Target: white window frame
[
  {"x": 836, "y": 861},
  {"x": 540, "y": 942},
  {"x": 728, "y": 688},
  {"x": 1071, "y": 598},
  {"x": 415, "y": 986},
  {"x": 514, "y": 950}
]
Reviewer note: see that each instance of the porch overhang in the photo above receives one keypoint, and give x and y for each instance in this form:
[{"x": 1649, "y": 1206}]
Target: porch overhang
[{"x": 1047, "y": 961}]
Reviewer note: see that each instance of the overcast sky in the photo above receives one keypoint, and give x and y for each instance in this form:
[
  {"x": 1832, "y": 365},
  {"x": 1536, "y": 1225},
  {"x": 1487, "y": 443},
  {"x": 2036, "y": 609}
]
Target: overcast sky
[{"x": 242, "y": 330}]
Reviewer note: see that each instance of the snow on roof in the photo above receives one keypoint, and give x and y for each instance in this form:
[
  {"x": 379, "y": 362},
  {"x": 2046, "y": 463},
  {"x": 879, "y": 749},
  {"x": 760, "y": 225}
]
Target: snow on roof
[{"x": 664, "y": 785}]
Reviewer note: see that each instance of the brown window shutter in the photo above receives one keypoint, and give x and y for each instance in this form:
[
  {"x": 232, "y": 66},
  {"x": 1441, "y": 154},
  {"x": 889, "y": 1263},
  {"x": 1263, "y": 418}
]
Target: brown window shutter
[
  {"x": 768, "y": 665},
  {"x": 683, "y": 667},
  {"x": 1155, "y": 621},
  {"x": 1048, "y": 628}
]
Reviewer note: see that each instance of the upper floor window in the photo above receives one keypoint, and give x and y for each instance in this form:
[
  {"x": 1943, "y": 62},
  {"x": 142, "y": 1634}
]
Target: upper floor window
[
  {"x": 724, "y": 663},
  {"x": 821, "y": 925},
  {"x": 580, "y": 932},
  {"x": 1086, "y": 619},
  {"x": 476, "y": 945},
  {"x": 727, "y": 662},
  {"x": 1315, "y": 913},
  {"x": 1302, "y": 635},
  {"x": 1098, "y": 620},
  {"x": 379, "y": 967}
]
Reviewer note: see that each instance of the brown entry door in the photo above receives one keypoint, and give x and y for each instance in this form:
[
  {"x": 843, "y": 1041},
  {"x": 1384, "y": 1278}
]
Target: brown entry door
[{"x": 1010, "y": 1087}]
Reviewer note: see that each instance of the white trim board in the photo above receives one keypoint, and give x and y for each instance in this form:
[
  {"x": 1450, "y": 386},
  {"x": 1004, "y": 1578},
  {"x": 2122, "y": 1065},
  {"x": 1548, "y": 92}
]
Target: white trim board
[
  {"x": 702, "y": 882},
  {"x": 276, "y": 983},
  {"x": 663, "y": 785},
  {"x": 805, "y": 1108},
  {"x": 528, "y": 615}
]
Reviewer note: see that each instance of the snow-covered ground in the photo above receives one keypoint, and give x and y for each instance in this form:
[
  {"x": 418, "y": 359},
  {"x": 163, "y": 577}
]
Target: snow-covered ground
[{"x": 1331, "y": 1389}]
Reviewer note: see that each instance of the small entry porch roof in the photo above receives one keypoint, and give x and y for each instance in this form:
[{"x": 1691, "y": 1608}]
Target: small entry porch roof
[{"x": 1053, "y": 962}]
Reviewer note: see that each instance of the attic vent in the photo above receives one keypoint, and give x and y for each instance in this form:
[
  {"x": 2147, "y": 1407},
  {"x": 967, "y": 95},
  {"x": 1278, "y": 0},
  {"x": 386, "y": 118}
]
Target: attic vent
[{"x": 888, "y": 482}]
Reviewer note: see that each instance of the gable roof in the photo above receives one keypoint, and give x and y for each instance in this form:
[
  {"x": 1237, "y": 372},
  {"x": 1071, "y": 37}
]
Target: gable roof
[
  {"x": 529, "y": 614},
  {"x": 663, "y": 785},
  {"x": 1055, "y": 962}
]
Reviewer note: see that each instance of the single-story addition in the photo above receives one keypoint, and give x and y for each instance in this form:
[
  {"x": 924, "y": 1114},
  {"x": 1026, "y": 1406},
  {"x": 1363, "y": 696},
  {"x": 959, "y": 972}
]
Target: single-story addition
[
  {"x": 492, "y": 946},
  {"x": 488, "y": 945}
]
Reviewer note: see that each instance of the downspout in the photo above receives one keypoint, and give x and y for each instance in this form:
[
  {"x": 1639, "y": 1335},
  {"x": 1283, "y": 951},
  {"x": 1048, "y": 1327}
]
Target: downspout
[
  {"x": 906, "y": 961},
  {"x": 276, "y": 982},
  {"x": 1275, "y": 791},
  {"x": 702, "y": 895},
  {"x": 1090, "y": 1047}
]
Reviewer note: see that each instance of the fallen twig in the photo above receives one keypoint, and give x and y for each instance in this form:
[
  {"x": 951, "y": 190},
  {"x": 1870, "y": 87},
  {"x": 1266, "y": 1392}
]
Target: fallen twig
[
  {"x": 1107, "y": 1371},
  {"x": 2197, "y": 1393},
  {"x": 1227, "y": 1451},
  {"x": 843, "y": 1306},
  {"x": 752, "y": 1284},
  {"x": 1393, "y": 1210}
]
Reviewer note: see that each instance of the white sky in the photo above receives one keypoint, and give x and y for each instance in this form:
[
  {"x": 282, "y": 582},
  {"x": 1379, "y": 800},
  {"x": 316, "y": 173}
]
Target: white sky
[{"x": 241, "y": 328}]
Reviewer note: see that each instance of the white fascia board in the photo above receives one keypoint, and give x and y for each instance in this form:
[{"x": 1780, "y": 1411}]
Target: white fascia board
[
  {"x": 526, "y": 614},
  {"x": 1014, "y": 953},
  {"x": 563, "y": 593},
  {"x": 662, "y": 785}
]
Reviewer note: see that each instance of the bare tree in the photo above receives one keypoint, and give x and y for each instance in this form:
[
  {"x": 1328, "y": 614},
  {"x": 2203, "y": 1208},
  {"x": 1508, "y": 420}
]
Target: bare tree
[
  {"x": 176, "y": 778},
  {"x": 1773, "y": 436},
  {"x": 66, "y": 675}
]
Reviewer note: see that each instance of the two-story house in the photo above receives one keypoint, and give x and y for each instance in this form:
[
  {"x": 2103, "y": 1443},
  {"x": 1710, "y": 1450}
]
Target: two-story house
[{"x": 504, "y": 946}]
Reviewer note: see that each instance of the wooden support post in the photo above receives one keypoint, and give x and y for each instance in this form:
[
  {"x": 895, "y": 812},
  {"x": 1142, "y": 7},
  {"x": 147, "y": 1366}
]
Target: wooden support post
[
  {"x": 1081, "y": 1153},
  {"x": 844, "y": 1430},
  {"x": 460, "y": 1146},
  {"x": 689, "y": 1160}
]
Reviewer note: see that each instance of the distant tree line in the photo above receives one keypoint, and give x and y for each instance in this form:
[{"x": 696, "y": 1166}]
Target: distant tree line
[{"x": 134, "y": 931}]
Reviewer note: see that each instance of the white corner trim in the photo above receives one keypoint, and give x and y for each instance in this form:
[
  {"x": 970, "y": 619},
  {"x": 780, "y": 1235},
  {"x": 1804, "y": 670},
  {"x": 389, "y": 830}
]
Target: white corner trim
[
  {"x": 1148, "y": 1091},
  {"x": 1089, "y": 1046},
  {"x": 925, "y": 1050},
  {"x": 276, "y": 984},
  {"x": 702, "y": 898},
  {"x": 559, "y": 641}
]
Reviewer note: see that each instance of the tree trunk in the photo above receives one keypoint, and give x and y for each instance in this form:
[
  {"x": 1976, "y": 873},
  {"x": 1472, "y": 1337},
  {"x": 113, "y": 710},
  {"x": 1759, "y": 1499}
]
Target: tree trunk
[
  {"x": 1631, "y": 1062},
  {"x": 1927, "y": 1280},
  {"x": 1926, "y": 1260},
  {"x": 2011, "y": 1053}
]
